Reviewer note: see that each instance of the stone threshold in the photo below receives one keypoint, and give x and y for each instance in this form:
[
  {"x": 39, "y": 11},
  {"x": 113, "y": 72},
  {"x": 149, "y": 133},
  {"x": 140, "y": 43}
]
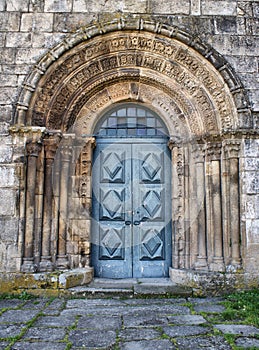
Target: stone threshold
[{"x": 130, "y": 287}]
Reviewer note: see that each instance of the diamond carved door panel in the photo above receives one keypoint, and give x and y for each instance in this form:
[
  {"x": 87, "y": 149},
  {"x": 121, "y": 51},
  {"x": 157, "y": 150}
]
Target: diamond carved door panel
[{"x": 131, "y": 231}]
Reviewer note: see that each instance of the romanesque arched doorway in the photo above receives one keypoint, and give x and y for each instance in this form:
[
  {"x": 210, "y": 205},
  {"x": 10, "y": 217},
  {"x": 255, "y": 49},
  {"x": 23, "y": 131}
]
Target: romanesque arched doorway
[
  {"x": 131, "y": 227},
  {"x": 196, "y": 95}
]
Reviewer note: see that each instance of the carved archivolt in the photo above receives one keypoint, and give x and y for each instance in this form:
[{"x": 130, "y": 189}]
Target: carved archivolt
[{"x": 123, "y": 65}]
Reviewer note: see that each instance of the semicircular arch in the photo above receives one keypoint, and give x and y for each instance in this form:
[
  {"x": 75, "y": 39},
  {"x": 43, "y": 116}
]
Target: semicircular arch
[{"x": 82, "y": 71}]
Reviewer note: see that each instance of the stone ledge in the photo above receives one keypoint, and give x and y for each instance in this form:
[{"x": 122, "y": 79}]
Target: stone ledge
[
  {"x": 48, "y": 283},
  {"x": 206, "y": 283}
]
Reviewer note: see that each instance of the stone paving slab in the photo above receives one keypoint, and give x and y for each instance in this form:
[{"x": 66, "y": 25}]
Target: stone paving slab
[
  {"x": 46, "y": 333},
  {"x": 183, "y": 331},
  {"x": 247, "y": 342},
  {"x": 187, "y": 319},
  {"x": 38, "y": 346},
  {"x": 10, "y": 330},
  {"x": 121, "y": 324},
  {"x": 92, "y": 339},
  {"x": 210, "y": 343},
  {"x": 130, "y": 334},
  {"x": 148, "y": 345},
  {"x": 237, "y": 329}
]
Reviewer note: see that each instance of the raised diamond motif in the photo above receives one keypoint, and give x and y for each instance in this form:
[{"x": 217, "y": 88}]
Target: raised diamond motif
[
  {"x": 152, "y": 165},
  {"x": 152, "y": 203},
  {"x": 111, "y": 241},
  {"x": 153, "y": 243},
  {"x": 112, "y": 205},
  {"x": 113, "y": 166}
]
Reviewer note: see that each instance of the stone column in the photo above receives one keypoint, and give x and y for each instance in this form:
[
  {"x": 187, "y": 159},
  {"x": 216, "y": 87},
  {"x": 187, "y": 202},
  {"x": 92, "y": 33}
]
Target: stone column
[
  {"x": 232, "y": 148},
  {"x": 50, "y": 146},
  {"x": 214, "y": 156},
  {"x": 85, "y": 193},
  {"x": 33, "y": 147},
  {"x": 200, "y": 211},
  {"x": 66, "y": 152},
  {"x": 177, "y": 204}
]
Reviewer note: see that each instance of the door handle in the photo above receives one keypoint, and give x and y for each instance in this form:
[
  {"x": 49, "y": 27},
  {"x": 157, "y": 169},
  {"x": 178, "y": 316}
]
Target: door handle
[
  {"x": 136, "y": 223},
  {"x": 127, "y": 223}
]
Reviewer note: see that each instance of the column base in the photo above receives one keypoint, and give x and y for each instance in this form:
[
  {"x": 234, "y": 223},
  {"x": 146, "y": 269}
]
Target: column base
[
  {"x": 62, "y": 262},
  {"x": 45, "y": 264},
  {"x": 201, "y": 263},
  {"x": 217, "y": 265},
  {"x": 28, "y": 265}
]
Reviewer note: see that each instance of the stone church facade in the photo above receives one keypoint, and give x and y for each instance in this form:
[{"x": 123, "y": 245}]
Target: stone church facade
[{"x": 129, "y": 142}]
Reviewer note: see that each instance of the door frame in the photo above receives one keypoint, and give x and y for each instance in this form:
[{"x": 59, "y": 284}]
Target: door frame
[{"x": 167, "y": 202}]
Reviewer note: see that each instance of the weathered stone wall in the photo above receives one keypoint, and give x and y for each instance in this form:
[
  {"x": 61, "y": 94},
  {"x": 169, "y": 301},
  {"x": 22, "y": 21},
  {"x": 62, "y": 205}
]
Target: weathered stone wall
[{"x": 29, "y": 28}]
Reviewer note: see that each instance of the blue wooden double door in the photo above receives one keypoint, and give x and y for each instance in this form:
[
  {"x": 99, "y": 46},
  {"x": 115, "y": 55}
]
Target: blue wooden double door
[{"x": 131, "y": 227}]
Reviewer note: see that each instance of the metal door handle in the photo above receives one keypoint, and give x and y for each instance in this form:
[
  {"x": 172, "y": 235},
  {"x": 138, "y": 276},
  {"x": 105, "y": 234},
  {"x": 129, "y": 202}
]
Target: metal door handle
[
  {"x": 127, "y": 223},
  {"x": 136, "y": 223}
]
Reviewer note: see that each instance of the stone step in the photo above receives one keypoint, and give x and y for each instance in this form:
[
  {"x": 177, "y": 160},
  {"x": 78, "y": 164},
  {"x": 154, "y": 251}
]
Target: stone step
[{"x": 135, "y": 287}]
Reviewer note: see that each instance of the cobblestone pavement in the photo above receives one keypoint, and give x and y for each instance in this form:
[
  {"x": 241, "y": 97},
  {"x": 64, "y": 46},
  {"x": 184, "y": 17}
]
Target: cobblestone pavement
[{"x": 127, "y": 324}]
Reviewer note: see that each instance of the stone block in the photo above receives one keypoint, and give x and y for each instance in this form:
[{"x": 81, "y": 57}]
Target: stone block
[
  {"x": 36, "y": 6},
  {"x": 2, "y": 5},
  {"x": 9, "y": 22},
  {"x": 18, "y": 40},
  {"x": 2, "y": 39},
  {"x": 252, "y": 164},
  {"x": 37, "y": 22},
  {"x": 244, "y": 8},
  {"x": 8, "y": 230},
  {"x": 243, "y": 64},
  {"x": 195, "y": 7},
  {"x": 255, "y": 6},
  {"x": 251, "y": 148},
  {"x": 252, "y": 182},
  {"x": 15, "y": 69},
  {"x": 29, "y": 56},
  {"x": 170, "y": 7},
  {"x": 76, "y": 277},
  {"x": 7, "y": 95},
  {"x": 226, "y": 25},
  {"x": 7, "y": 56},
  {"x": 6, "y": 113},
  {"x": 8, "y": 80},
  {"x": 8, "y": 177},
  {"x": 92, "y": 6},
  {"x": 66, "y": 22},
  {"x": 14, "y": 5},
  {"x": 252, "y": 207},
  {"x": 218, "y": 7},
  {"x": 252, "y": 232},
  {"x": 8, "y": 202},
  {"x": 6, "y": 153},
  {"x": 46, "y": 40},
  {"x": 58, "y": 6}
]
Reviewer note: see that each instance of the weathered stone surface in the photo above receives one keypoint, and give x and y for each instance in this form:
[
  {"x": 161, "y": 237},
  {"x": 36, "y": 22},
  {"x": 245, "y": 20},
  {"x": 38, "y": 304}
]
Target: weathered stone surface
[
  {"x": 37, "y": 22},
  {"x": 45, "y": 334},
  {"x": 212, "y": 343},
  {"x": 181, "y": 7},
  {"x": 184, "y": 331},
  {"x": 187, "y": 320},
  {"x": 210, "y": 308},
  {"x": 212, "y": 7},
  {"x": 91, "y": 338},
  {"x": 243, "y": 330},
  {"x": 163, "y": 344},
  {"x": 130, "y": 334},
  {"x": 59, "y": 6},
  {"x": 7, "y": 206},
  {"x": 15, "y": 316},
  {"x": 38, "y": 346},
  {"x": 246, "y": 343},
  {"x": 8, "y": 331}
]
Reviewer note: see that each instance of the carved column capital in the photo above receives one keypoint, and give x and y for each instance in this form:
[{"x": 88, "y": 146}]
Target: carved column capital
[
  {"x": 198, "y": 152},
  {"x": 33, "y": 148},
  {"x": 232, "y": 148},
  {"x": 51, "y": 142},
  {"x": 213, "y": 150}
]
